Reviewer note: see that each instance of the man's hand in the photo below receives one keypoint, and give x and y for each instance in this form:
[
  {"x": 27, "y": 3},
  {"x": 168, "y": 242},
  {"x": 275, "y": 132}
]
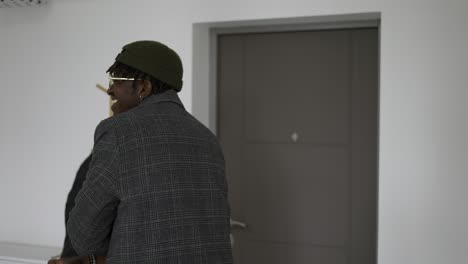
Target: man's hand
[
  {"x": 77, "y": 260},
  {"x": 72, "y": 260}
]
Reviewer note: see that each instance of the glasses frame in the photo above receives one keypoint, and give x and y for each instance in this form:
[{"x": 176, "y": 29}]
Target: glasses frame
[{"x": 112, "y": 79}]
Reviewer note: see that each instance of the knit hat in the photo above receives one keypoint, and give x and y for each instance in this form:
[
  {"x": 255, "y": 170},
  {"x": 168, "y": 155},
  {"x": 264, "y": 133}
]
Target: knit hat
[{"x": 154, "y": 59}]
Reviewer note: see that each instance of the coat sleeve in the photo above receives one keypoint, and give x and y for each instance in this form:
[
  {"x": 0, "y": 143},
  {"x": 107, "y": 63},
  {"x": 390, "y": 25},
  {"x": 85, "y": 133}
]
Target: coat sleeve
[{"x": 91, "y": 219}]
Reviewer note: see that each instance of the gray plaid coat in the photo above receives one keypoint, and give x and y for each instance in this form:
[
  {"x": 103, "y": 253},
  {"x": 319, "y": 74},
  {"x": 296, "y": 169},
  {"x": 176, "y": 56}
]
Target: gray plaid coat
[{"x": 155, "y": 191}]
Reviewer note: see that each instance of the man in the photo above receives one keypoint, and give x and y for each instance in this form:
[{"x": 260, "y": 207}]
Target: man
[{"x": 155, "y": 191}]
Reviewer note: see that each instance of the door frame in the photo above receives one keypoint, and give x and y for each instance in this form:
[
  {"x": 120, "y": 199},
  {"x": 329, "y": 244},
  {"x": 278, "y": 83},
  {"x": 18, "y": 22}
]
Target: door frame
[
  {"x": 205, "y": 62},
  {"x": 205, "y": 51}
]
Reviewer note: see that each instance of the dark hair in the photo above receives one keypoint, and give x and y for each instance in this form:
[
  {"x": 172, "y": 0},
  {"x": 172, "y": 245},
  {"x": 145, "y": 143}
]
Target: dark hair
[{"x": 124, "y": 70}]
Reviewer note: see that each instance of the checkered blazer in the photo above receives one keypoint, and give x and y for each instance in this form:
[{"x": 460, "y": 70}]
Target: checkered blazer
[{"x": 155, "y": 191}]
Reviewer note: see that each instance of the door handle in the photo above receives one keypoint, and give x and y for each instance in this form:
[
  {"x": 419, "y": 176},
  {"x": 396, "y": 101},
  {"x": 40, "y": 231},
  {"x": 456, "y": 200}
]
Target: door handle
[{"x": 237, "y": 224}]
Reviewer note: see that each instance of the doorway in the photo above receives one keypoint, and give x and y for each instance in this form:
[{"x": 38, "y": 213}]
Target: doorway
[{"x": 297, "y": 116}]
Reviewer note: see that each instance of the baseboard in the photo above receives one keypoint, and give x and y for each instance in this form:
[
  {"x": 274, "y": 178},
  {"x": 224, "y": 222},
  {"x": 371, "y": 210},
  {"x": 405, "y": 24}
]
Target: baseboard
[{"x": 16, "y": 253}]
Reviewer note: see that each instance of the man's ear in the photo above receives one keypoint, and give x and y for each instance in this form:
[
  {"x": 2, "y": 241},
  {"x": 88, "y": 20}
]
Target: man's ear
[{"x": 147, "y": 88}]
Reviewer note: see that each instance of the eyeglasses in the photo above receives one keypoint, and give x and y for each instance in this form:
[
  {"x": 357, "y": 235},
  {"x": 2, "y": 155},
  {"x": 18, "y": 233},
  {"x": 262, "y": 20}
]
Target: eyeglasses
[{"x": 113, "y": 79}]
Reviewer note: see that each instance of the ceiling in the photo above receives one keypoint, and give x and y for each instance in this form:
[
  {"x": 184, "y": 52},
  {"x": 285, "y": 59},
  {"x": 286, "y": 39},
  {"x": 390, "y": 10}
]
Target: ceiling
[{"x": 21, "y": 3}]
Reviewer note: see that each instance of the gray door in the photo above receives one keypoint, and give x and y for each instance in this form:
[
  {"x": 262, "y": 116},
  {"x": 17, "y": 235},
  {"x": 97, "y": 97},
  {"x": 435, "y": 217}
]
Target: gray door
[{"x": 297, "y": 119}]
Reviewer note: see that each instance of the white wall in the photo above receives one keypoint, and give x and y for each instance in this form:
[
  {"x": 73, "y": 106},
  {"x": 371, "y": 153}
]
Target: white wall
[{"x": 51, "y": 58}]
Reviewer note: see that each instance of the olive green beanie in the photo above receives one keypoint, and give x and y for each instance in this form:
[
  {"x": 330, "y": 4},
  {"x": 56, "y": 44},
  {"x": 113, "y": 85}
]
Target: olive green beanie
[{"x": 154, "y": 59}]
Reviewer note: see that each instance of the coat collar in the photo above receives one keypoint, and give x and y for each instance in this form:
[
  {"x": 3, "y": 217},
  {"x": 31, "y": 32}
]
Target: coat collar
[{"x": 167, "y": 96}]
